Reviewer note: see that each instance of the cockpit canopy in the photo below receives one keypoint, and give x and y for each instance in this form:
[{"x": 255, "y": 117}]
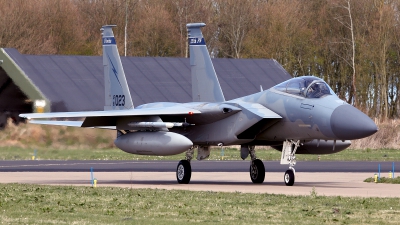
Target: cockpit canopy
[{"x": 307, "y": 86}]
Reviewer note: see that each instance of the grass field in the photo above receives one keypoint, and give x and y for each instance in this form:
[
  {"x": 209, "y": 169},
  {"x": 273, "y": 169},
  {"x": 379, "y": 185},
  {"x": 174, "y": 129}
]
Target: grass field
[
  {"x": 18, "y": 153},
  {"x": 34, "y": 204}
]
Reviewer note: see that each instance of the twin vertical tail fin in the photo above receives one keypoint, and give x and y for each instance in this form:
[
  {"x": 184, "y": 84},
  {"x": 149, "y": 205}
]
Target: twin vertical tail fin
[
  {"x": 205, "y": 84},
  {"x": 117, "y": 94}
]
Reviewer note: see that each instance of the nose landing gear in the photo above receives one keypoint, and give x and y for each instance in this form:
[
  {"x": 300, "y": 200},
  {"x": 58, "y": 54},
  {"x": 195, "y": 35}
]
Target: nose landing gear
[
  {"x": 289, "y": 157},
  {"x": 289, "y": 177}
]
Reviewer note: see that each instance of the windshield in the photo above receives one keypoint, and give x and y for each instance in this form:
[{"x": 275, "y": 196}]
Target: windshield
[
  {"x": 317, "y": 89},
  {"x": 307, "y": 86}
]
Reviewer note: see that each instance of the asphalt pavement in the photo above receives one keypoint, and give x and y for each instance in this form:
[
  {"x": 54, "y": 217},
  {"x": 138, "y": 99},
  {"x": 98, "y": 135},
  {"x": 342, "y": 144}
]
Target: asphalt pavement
[{"x": 197, "y": 166}]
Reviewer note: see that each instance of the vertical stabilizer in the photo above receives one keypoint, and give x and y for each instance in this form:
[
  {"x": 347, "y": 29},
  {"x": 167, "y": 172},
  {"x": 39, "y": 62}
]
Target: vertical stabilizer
[
  {"x": 116, "y": 88},
  {"x": 205, "y": 84}
]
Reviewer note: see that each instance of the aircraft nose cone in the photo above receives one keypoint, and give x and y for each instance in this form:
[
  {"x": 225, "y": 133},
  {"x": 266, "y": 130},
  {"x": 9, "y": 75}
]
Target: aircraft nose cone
[{"x": 349, "y": 123}]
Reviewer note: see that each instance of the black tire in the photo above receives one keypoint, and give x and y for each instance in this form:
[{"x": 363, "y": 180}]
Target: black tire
[
  {"x": 257, "y": 171},
  {"x": 183, "y": 172},
  {"x": 289, "y": 178}
]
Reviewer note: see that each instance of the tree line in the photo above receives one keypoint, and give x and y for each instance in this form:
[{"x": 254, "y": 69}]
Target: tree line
[{"x": 354, "y": 45}]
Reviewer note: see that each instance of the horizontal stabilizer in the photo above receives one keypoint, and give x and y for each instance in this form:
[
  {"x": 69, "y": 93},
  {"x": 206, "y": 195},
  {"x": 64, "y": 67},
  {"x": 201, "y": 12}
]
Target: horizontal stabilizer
[{"x": 115, "y": 113}]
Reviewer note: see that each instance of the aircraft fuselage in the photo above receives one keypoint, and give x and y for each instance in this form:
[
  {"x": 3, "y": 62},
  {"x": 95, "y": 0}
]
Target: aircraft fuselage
[{"x": 251, "y": 120}]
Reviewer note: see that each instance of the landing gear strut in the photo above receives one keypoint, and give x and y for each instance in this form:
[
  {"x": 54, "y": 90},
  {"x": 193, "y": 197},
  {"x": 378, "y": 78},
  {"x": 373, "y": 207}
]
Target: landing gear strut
[
  {"x": 257, "y": 169},
  {"x": 289, "y": 157},
  {"x": 184, "y": 169}
]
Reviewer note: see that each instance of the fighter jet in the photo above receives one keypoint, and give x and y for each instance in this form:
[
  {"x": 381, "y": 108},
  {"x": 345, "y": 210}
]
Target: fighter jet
[{"x": 299, "y": 116}]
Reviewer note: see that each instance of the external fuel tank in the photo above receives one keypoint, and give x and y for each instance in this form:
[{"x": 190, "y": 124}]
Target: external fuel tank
[{"x": 153, "y": 143}]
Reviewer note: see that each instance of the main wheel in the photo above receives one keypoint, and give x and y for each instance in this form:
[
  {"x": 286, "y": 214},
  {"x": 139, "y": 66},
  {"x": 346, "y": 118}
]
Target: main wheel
[
  {"x": 183, "y": 172},
  {"x": 257, "y": 171},
  {"x": 289, "y": 178}
]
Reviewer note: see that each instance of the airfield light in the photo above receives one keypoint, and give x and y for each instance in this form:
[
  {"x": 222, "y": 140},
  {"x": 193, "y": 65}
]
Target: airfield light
[{"x": 39, "y": 105}]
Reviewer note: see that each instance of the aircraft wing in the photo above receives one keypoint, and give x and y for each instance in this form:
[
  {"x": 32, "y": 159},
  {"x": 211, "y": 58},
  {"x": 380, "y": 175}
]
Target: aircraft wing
[
  {"x": 67, "y": 123},
  {"x": 176, "y": 110},
  {"x": 60, "y": 123},
  {"x": 106, "y": 119}
]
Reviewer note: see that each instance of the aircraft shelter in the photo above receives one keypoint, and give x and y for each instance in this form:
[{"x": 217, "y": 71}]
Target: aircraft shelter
[{"x": 61, "y": 83}]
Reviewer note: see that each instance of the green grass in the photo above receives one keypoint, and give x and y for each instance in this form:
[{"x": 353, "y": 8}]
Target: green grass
[
  {"x": 386, "y": 180},
  {"x": 36, "y": 204},
  {"x": 17, "y": 153}
]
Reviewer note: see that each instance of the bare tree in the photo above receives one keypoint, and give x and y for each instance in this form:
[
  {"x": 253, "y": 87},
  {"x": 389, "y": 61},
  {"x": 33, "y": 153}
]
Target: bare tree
[
  {"x": 346, "y": 19},
  {"x": 183, "y": 12},
  {"x": 234, "y": 18},
  {"x": 384, "y": 41},
  {"x": 156, "y": 35}
]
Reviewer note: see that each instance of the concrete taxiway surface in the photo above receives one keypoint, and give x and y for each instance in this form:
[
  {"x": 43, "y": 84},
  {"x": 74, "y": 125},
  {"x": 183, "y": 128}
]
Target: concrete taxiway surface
[{"x": 328, "y": 184}]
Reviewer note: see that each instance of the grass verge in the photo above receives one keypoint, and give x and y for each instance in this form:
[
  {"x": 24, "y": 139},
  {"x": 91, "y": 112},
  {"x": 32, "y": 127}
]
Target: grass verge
[
  {"x": 37, "y": 204},
  {"x": 385, "y": 180},
  {"x": 23, "y": 153}
]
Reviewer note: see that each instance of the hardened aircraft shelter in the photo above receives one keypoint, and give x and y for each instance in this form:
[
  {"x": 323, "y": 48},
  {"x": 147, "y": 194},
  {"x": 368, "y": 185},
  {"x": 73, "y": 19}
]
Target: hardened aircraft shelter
[{"x": 61, "y": 83}]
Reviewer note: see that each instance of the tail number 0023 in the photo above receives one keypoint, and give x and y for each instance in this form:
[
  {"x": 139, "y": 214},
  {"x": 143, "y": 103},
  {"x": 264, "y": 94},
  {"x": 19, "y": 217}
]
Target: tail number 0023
[{"x": 118, "y": 100}]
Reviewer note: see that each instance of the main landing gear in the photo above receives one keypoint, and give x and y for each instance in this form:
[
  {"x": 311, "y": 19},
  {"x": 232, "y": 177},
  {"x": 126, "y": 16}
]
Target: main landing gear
[
  {"x": 257, "y": 169},
  {"x": 288, "y": 157},
  {"x": 184, "y": 170}
]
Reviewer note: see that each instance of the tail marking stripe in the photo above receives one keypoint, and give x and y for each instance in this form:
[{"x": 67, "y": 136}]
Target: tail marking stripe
[
  {"x": 114, "y": 70},
  {"x": 196, "y": 41},
  {"x": 109, "y": 41}
]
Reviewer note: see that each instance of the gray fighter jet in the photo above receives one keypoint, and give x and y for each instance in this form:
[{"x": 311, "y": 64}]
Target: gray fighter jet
[{"x": 302, "y": 115}]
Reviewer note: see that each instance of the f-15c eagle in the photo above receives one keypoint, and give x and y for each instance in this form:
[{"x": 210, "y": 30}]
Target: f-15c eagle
[{"x": 301, "y": 115}]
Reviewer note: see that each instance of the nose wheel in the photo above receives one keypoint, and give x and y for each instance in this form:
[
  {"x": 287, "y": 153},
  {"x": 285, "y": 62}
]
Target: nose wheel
[
  {"x": 289, "y": 177},
  {"x": 289, "y": 157}
]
